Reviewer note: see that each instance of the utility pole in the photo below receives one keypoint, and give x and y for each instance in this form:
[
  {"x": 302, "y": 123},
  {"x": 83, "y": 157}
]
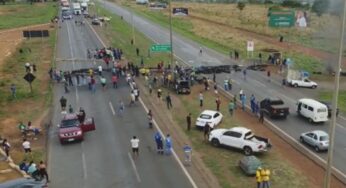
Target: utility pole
[
  {"x": 334, "y": 104},
  {"x": 170, "y": 31},
  {"x": 133, "y": 28}
]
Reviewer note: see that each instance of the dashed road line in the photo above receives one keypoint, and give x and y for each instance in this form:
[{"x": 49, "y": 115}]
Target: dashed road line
[{"x": 134, "y": 168}]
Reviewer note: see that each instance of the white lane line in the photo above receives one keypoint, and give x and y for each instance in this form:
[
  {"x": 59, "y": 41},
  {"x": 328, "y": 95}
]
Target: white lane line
[
  {"x": 112, "y": 109},
  {"x": 134, "y": 168},
  {"x": 259, "y": 83},
  {"x": 69, "y": 41},
  {"x": 342, "y": 117},
  {"x": 85, "y": 175}
]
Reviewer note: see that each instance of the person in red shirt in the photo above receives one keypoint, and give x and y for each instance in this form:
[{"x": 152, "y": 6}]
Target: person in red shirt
[{"x": 115, "y": 81}]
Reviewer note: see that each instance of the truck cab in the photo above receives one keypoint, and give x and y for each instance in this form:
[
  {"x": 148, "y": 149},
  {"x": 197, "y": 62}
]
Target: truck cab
[
  {"x": 182, "y": 87},
  {"x": 71, "y": 129},
  {"x": 274, "y": 107}
]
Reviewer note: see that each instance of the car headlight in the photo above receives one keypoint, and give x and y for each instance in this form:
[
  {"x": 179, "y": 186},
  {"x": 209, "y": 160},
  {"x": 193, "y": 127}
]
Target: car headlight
[{"x": 79, "y": 132}]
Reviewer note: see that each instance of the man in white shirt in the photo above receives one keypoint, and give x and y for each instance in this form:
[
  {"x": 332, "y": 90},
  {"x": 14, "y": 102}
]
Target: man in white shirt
[
  {"x": 135, "y": 146},
  {"x": 26, "y": 146}
]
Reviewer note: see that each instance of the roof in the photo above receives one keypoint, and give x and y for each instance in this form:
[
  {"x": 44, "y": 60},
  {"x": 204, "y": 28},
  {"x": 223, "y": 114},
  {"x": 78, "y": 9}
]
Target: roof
[
  {"x": 312, "y": 102},
  {"x": 240, "y": 129},
  {"x": 320, "y": 133},
  {"x": 209, "y": 112},
  {"x": 70, "y": 116}
]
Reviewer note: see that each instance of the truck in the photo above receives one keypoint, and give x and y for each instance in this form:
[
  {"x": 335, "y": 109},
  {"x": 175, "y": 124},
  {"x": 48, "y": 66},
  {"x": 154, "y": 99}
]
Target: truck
[
  {"x": 76, "y": 9},
  {"x": 240, "y": 138},
  {"x": 182, "y": 86},
  {"x": 274, "y": 107},
  {"x": 71, "y": 128},
  {"x": 299, "y": 79}
]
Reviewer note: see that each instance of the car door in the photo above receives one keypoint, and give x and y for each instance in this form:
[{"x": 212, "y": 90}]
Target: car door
[
  {"x": 306, "y": 83},
  {"x": 88, "y": 125},
  {"x": 217, "y": 118},
  {"x": 309, "y": 138},
  {"x": 230, "y": 138}
]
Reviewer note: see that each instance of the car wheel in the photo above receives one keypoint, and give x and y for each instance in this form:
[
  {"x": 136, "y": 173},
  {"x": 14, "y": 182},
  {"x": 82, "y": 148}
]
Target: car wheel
[
  {"x": 313, "y": 87},
  {"x": 247, "y": 150},
  {"x": 317, "y": 149},
  {"x": 310, "y": 120},
  {"x": 295, "y": 85},
  {"x": 215, "y": 142},
  {"x": 301, "y": 139}
]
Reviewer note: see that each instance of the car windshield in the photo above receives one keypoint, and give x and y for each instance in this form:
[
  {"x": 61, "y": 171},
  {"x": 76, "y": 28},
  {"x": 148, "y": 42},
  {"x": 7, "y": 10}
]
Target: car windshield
[
  {"x": 205, "y": 116},
  {"x": 69, "y": 123},
  {"x": 321, "y": 110},
  {"x": 324, "y": 138},
  {"x": 66, "y": 13}
]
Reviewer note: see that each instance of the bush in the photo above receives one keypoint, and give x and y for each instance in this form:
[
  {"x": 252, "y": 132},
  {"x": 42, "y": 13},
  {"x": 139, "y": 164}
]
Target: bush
[
  {"x": 241, "y": 5},
  {"x": 292, "y": 4},
  {"x": 320, "y": 7}
]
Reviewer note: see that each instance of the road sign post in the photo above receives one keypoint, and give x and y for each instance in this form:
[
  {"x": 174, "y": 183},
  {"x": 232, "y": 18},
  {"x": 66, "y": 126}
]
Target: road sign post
[{"x": 160, "y": 48}]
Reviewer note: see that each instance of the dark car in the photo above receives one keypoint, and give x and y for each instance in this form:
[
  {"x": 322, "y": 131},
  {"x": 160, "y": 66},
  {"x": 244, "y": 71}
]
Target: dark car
[
  {"x": 24, "y": 182},
  {"x": 274, "y": 107},
  {"x": 330, "y": 108},
  {"x": 96, "y": 21},
  {"x": 182, "y": 87}
]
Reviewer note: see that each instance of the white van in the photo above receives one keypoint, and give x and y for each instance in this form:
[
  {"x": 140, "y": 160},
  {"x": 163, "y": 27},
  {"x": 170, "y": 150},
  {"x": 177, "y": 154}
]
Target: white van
[{"x": 313, "y": 110}]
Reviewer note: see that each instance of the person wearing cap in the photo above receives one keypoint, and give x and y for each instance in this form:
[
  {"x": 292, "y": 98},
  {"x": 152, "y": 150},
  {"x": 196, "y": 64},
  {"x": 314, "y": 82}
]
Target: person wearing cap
[
  {"x": 265, "y": 173},
  {"x": 259, "y": 177}
]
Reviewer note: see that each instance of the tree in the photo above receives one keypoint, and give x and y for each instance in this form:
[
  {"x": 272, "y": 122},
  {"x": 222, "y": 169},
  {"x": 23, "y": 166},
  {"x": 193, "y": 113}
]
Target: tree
[
  {"x": 241, "y": 5},
  {"x": 320, "y": 7}
]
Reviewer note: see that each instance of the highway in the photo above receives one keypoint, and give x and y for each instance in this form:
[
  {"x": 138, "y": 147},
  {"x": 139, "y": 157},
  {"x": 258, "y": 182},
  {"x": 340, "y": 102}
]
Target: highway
[
  {"x": 256, "y": 83},
  {"x": 104, "y": 158}
]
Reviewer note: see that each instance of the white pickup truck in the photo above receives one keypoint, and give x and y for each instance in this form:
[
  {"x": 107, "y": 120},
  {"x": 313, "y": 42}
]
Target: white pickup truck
[
  {"x": 240, "y": 138},
  {"x": 297, "y": 79}
]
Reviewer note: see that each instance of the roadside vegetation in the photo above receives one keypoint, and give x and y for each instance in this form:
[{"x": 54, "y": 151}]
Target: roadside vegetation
[
  {"x": 225, "y": 168},
  {"x": 212, "y": 26},
  {"x": 23, "y": 14},
  {"x": 328, "y": 96}
]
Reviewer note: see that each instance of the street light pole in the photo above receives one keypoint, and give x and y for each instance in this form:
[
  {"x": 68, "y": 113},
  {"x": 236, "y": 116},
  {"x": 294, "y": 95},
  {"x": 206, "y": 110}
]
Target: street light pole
[
  {"x": 133, "y": 28},
  {"x": 170, "y": 31},
  {"x": 334, "y": 104}
]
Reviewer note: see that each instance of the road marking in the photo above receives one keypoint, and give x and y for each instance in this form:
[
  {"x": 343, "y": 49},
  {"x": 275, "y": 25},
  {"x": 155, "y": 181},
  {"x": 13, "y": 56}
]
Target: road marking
[
  {"x": 111, "y": 106},
  {"x": 342, "y": 117},
  {"x": 134, "y": 168},
  {"x": 259, "y": 83},
  {"x": 85, "y": 175},
  {"x": 69, "y": 41}
]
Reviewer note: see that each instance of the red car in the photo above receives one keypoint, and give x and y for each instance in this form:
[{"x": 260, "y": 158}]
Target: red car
[{"x": 70, "y": 128}]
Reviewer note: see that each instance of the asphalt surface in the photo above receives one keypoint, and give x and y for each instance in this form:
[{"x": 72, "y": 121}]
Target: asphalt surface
[
  {"x": 256, "y": 83},
  {"x": 103, "y": 159}
]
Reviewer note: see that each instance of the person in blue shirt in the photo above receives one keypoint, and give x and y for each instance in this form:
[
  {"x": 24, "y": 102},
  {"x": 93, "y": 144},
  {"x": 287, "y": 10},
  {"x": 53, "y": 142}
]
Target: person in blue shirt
[
  {"x": 168, "y": 144},
  {"x": 188, "y": 152},
  {"x": 159, "y": 143}
]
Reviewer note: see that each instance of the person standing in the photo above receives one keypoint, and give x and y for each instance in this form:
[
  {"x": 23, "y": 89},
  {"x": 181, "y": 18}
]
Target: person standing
[
  {"x": 200, "y": 99},
  {"x": 159, "y": 94},
  {"x": 226, "y": 84},
  {"x": 70, "y": 109},
  {"x": 159, "y": 143},
  {"x": 6, "y": 146},
  {"x": 136, "y": 92},
  {"x": 103, "y": 81},
  {"x": 214, "y": 77},
  {"x": 206, "y": 131},
  {"x": 169, "y": 101},
  {"x": 150, "y": 89},
  {"x": 43, "y": 170},
  {"x": 218, "y": 103},
  {"x": 259, "y": 177},
  {"x": 200, "y": 50},
  {"x": 99, "y": 68},
  {"x": 137, "y": 51},
  {"x": 93, "y": 84},
  {"x": 261, "y": 117},
  {"x": 150, "y": 119},
  {"x": 252, "y": 103},
  {"x": 115, "y": 81},
  {"x": 121, "y": 108},
  {"x": 188, "y": 154},
  {"x": 268, "y": 75},
  {"x": 135, "y": 146},
  {"x": 13, "y": 91},
  {"x": 63, "y": 102},
  {"x": 244, "y": 74},
  {"x": 231, "y": 108},
  {"x": 26, "y": 146},
  {"x": 243, "y": 101},
  {"x": 188, "y": 121},
  {"x": 66, "y": 87},
  {"x": 132, "y": 98},
  {"x": 265, "y": 173},
  {"x": 168, "y": 144}
]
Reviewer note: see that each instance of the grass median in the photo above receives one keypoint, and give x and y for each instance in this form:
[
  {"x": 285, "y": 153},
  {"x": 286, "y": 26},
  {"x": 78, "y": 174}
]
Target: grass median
[
  {"x": 24, "y": 14},
  {"x": 328, "y": 96},
  {"x": 221, "y": 38}
]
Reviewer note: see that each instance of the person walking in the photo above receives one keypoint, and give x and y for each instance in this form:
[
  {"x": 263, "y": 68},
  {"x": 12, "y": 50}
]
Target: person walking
[
  {"x": 265, "y": 173},
  {"x": 244, "y": 74},
  {"x": 132, "y": 98},
  {"x": 43, "y": 170},
  {"x": 150, "y": 119},
  {"x": 243, "y": 101},
  {"x": 188, "y": 121},
  {"x": 200, "y": 50},
  {"x": 135, "y": 146},
  {"x": 231, "y": 107},
  {"x": 226, "y": 84},
  {"x": 121, "y": 108},
  {"x": 252, "y": 103},
  {"x": 168, "y": 145},
  {"x": 115, "y": 81},
  {"x": 103, "y": 81},
  {"x": 159, "y": 94},
  {"x": 13, "y": 89},
  {"x": 261, "y": 117},
  {"x": 159, "y": 143},
  {"x": 63, "y": 102},
  {"x": 218, "y": 103},
  {"x": 268, "y": 75},
  {"x": 206, "y": 130},
  {"x": 214, "y": 77},
  {"x": 187, "y": 153},
  {"x": 169, "y": 101},
  {"x": 6, "y": 146},
  {"x": 70, "y": 109},
  {"x": 99, "y": 69},
  {"x": 93, "y": 84},
  {"x": 137, "y": 51},
  {"x": 201, "y": 99},
  {"x": 26, "y": 146},
  {"x": 66, "y": 87},
  {"x": 259, "y": 177}
]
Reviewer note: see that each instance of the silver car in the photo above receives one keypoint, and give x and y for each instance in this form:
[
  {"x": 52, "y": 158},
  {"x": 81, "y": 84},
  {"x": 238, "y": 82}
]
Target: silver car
[{"x": 319, "y": 140}]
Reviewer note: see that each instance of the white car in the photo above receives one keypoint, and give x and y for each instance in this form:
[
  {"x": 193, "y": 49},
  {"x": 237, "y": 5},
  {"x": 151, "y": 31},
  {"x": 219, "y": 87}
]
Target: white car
[
  {"x": 317, "y": 139},
  {"x": 209, "y": 116},
  {"x": 303, "y": 83},
  {"x": 241, "y": 138}
]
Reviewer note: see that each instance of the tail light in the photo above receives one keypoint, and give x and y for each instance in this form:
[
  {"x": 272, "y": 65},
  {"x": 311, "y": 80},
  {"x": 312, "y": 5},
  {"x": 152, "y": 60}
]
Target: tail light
[{"x": 260, "y": 147}]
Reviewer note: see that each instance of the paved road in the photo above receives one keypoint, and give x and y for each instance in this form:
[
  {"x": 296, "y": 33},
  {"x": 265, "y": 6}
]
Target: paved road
[
  {"x": 103, "y": 159},
  {"x": 256, "y": 83}
]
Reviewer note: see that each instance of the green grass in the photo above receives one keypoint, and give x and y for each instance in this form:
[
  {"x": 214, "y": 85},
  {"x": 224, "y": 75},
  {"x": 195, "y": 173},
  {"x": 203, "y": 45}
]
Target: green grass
[
  {"x": 119, "y": 33},
  {"x": 328, "y": 96},
  {"x": 185, "y": 28},
  {"x": 18, "y": 15}
]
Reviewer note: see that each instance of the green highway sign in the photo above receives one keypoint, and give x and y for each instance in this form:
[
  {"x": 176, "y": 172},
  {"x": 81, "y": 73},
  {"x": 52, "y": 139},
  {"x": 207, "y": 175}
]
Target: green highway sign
[
  {"x": 281, "y": 18},
  {"x": 160, "y": 48}
]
